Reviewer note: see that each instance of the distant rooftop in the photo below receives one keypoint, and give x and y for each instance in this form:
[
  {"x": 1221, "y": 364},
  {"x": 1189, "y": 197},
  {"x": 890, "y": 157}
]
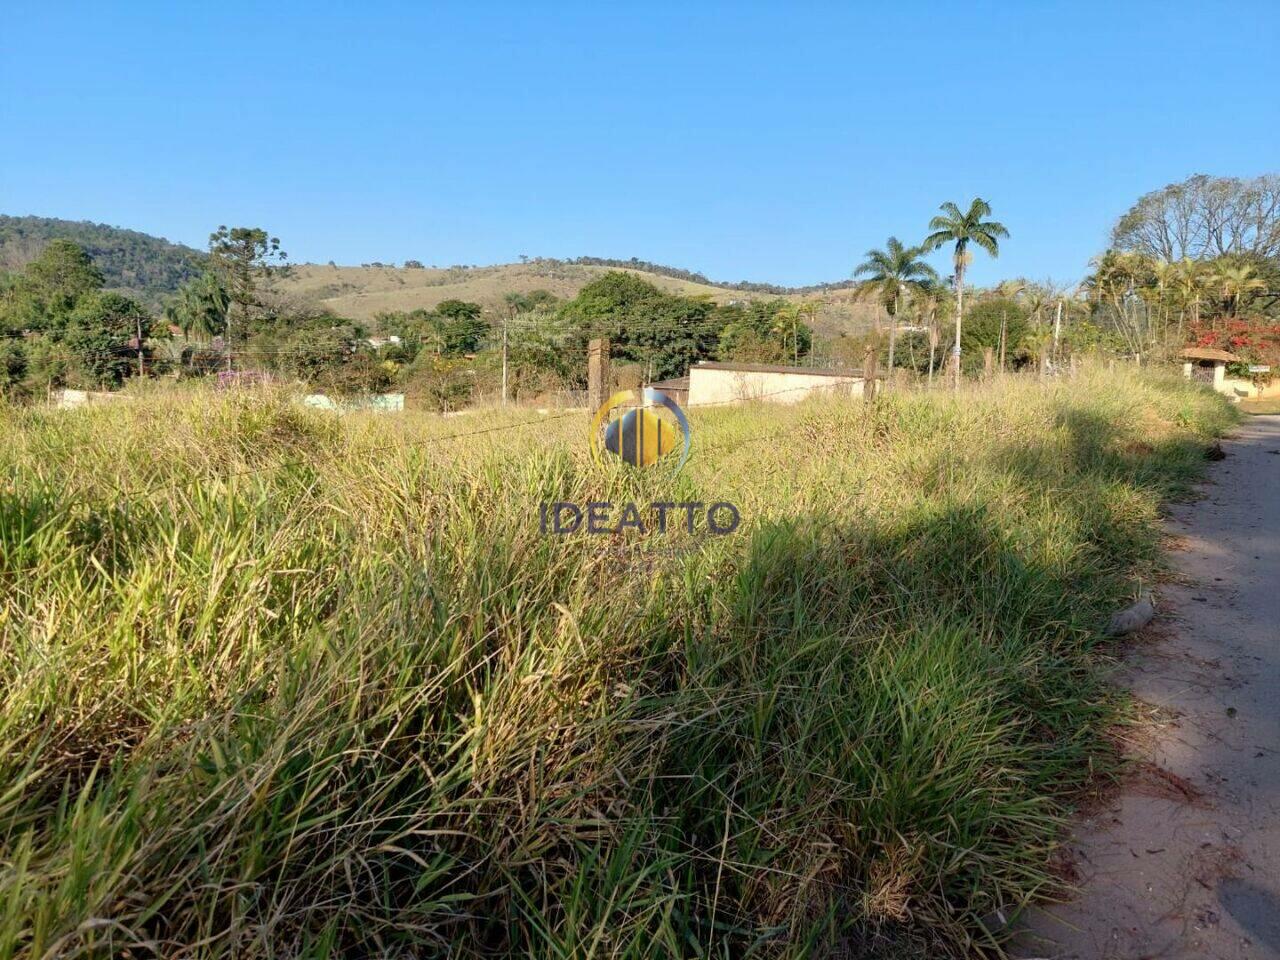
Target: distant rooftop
[
  {"x": 677, "y": 383},
  {"x": 1209, "y": 353},
  {"x": 773, "y": 368}
]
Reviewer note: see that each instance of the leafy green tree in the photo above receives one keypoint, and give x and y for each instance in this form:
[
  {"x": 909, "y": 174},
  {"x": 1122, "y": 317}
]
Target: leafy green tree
[
  {"x": 441, "y": 383},
  {"x": 460, "y": 326},
  {"x": 416, "y": 329},
  {"x": 45, "y": 293},
  {"x": 540, "y": 300},
  {"x": 13, "y": 366},
  {"x": 106, "y": 334},
  {"x": 787, "y": 321},
  {"x": 530, "y": 302},
  {"x": 742, "y": 344},
  {"x": 48, "y": 364},
  {"x": 612, "y": 305},
  {"x": 960, "y": 228},
  {"x": 63, "y": 273},
  {"x": 892, "y": 273},
  {"x": 659, "y": 332},
  {"x": 143, "y": 267},
  {"x": 679, "y": 334},
  {"x": 988, "y": 318},
  {"x": 540, "y": 360},
  {"x": 663, "y": 334},
  {"x": 311, "y": 349},
  {"x": 764, "y": 331}
]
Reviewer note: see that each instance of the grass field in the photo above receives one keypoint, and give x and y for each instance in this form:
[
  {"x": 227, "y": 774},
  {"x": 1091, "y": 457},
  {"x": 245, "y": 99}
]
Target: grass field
[
  {"x": 278, "y": 683},
  {"x": 363, "y": 292}
]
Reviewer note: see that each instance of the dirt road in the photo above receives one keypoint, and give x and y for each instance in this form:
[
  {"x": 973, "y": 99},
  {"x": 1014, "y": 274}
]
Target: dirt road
[{"x": 1186, "y": 861}]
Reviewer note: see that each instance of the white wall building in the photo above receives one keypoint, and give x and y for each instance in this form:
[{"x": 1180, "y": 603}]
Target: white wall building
[{"x": 727, "y": 383}]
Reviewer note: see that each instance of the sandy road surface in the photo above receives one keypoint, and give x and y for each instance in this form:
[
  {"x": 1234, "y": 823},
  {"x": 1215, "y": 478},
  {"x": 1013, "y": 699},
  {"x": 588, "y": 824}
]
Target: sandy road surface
[{"x": 1186, "y": 861}]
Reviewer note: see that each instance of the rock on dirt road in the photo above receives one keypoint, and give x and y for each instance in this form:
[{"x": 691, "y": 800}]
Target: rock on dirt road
[{"x": 1185, "y": 861}]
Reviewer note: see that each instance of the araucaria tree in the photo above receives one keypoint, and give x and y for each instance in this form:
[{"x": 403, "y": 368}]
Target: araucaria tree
[
  {"x": 889, "y": 274},
  {"x": 961, "y": 228},
  {"x": 240, "y": 256}
]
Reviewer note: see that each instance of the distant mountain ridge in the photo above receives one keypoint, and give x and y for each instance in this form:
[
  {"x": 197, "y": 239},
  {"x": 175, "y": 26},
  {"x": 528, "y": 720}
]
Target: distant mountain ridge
[
  {"x": 145, "y": 267},
  {"x": 152, "y": 267},
  {"x": 693, "y": 276}
]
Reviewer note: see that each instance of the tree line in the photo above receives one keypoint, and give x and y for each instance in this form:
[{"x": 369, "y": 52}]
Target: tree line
[
  {"x": 146, "y": 268},
  {"x": 693, "y": 276},
  {"x": 60, "y": 327},
  {"x": 1193, "y": 263}
]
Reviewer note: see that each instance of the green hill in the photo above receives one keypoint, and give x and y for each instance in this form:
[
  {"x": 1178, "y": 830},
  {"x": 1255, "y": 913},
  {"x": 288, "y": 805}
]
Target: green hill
[
  {"x": 151, "y": 268},
  {"x": 145, "y": 267},
  {"x": 363, "y": 292}
]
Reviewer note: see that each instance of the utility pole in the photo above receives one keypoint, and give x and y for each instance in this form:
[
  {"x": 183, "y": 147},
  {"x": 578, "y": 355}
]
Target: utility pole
[
  {"x": 869, "y": 374},
  {"x": 138, "y": 320},
  {"x": 933, "y": 349},
  {"x": 505, "y": 324},
  {"x": 597, "y": 372},
  {"x": 893, "y": 338},
  {"x": 1057, "y": 329},
  {"x": 959, "y": 282}
]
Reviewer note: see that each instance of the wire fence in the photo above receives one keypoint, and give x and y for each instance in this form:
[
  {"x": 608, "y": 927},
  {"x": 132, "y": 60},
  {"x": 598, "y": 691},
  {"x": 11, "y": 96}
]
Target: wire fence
[{"x": 123, "y": 493}]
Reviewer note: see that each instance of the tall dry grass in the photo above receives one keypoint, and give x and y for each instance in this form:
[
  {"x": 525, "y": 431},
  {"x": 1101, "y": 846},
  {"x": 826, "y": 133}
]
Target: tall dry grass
[{"x": 277, "y": 683}]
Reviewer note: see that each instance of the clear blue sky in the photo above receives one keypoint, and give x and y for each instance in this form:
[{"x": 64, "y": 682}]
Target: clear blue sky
[{"x": 748, "y": 141}]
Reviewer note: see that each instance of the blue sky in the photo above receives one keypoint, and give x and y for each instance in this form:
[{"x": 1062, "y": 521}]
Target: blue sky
[{"x": 770, "y": 142}]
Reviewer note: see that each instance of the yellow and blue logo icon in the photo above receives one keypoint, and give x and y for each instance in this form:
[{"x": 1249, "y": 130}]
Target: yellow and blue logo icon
[{"x": 642, "y": 434}]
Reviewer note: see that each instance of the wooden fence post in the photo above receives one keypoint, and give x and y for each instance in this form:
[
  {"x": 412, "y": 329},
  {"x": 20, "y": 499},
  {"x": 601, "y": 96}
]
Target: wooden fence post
[
  {"x": 869, "y": 374},
  {"x": 988, "y": 362},
  {"x": 597, "y": 373}
]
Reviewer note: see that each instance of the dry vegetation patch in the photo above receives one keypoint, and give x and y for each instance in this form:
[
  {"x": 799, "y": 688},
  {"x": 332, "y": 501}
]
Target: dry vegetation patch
[{"x": 280, "y": 683}]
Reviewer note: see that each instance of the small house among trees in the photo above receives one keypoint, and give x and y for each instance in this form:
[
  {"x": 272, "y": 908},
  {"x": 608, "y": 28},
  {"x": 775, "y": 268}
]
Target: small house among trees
[{"x": 1209, "y": 366}]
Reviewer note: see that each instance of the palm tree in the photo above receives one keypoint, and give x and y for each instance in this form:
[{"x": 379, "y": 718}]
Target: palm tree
[
  {"x": 1189, "y": 283},
  {"x": 929, "y": 302},
  {"x": 1012, "y": 289},
  {"x": 201, "y": 305},
  {"x": 961, "y": 228},
  {"x": 785, "y": 321},
  {"x": 1117, "y": 283},
  {"x": 1235, "y": 284},
  {"x": 808, "y": 310},
  {"x": 1164, "y": 274},
  {"x": 1037, "y": 297},
  {"x": 890, "y": 273}
]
